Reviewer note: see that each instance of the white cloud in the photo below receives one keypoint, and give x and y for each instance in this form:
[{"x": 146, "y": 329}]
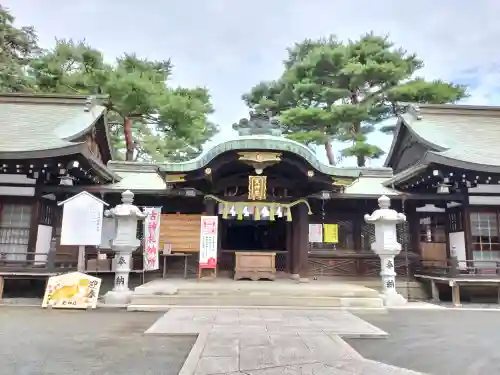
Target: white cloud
[{"x": 230, "y": 45}]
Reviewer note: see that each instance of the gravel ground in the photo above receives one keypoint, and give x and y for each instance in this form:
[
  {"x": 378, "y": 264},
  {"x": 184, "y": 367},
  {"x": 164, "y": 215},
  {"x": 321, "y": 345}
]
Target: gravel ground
[
  {"x": 437, "y": 342},
  {"x": 56, "y": 342}
]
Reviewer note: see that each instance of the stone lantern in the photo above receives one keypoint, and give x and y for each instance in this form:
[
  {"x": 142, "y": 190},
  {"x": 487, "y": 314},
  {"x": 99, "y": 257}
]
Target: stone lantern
[
  {"x": 126, "y": 216},
  {"x": 387, "y": 247}
]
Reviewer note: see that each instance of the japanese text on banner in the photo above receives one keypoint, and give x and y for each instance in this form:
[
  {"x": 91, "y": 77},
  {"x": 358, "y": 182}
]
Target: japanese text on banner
[
  {"x": 331, "y": 233},
  {"x": 152, "y": 238},
  {"x": 208, "y": 242},
  {"x": 315, "y": 233}
]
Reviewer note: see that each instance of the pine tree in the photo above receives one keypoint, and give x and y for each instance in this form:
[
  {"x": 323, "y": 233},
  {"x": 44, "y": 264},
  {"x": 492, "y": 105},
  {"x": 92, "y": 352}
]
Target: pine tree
[
  {"x": 334, "y": 90},
  {"x": 18, "y": 45}
]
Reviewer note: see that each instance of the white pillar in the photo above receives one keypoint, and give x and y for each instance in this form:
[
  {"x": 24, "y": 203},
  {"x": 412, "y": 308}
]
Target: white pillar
[
  {"x": 126, "y": 216},
  {"x": 387, "y": 247}
]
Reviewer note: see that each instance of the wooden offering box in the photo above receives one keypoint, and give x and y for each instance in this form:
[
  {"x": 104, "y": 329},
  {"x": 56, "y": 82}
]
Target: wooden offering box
[{"x": 255, "y": 265}]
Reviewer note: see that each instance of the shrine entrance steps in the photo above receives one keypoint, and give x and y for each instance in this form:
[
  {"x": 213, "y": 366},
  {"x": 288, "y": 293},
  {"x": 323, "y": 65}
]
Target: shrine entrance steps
[{"x": 160, "y": 295}]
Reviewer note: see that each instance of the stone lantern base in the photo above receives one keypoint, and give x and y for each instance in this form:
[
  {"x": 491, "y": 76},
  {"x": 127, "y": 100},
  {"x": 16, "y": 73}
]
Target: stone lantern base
[
  {"x": 393, "y": 299},
  {"x": 114, "y": 297}
]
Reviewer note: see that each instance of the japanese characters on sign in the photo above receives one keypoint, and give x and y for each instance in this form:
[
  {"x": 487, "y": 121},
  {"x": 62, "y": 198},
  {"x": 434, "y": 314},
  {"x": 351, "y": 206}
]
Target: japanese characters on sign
[
  {"x": 82, "y": 220},
  {"x": 152, "y": 238},
  {"x": 315, "y": 233},
  {"x": 257, "y": 188},
  {"x": 331, "y": 233},
  {"x": 208, "y": 241},
  {"x": 72, "y": 290}
]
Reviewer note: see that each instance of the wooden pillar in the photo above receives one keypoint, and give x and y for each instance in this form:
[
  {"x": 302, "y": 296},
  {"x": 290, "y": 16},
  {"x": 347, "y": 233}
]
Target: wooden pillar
[
  {"x": 357, "y": 229},
  {"x": 467, "y": 228},
  {"x": 295, "y": 245},
  {"x": 414, "y": 227},
  {"x": 302, "y": 219},
  {"x": 35, "y": 215},
  {"x": 289, "y": 246},
  {"x": 210, "y": 207}
]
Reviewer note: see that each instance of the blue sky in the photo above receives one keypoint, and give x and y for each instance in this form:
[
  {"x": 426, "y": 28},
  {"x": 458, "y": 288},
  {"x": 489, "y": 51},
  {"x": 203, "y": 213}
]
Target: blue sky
[{"x": 230, "y": 45}]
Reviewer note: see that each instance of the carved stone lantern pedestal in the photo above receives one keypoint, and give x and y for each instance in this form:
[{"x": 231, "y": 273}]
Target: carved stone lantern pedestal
[
  {"x": 387, "y": 247},
  {"x": 125, "y": 241}
]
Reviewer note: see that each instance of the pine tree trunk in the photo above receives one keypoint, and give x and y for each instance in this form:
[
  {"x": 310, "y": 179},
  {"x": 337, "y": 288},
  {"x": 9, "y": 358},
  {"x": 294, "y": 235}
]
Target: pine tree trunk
[
  {"x": 329, "y": 152},
  {"x": 357, "y": 129},
  {"x": 361, "y": 160},
  {"x": 129, "y": 143}
]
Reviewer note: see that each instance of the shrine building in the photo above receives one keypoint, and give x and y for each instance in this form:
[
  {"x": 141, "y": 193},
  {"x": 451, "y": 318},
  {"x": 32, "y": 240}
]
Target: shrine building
[{"x": 442, "y": 172}]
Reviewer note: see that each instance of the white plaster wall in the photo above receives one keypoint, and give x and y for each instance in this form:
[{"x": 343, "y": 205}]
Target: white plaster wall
[
  {"x": 43, "y": 242},
  {"x": 17, "y": 191},
  {"x": 457, "y": 240}
]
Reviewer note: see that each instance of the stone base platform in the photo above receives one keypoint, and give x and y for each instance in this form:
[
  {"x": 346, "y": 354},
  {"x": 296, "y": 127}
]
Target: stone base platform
[
  {"x": 159, "y": 295},
  {"x": 273, "y": 342}
]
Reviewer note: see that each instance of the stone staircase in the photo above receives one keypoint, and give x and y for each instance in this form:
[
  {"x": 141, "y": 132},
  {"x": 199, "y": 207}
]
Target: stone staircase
[{"x": 160, "y": 295}]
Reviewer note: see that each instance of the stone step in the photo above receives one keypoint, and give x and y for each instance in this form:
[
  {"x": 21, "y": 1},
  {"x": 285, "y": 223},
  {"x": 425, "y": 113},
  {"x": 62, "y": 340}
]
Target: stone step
[
  {"x": 256, "y": 300},
  {"x": 365, "y": 293}
]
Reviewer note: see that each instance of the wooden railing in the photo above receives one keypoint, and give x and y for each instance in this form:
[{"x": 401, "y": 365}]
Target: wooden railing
[
  {"x": 453, "y": 267},
  {"x": 36, "y": 263},
  {"x": 356, "y": 264}
]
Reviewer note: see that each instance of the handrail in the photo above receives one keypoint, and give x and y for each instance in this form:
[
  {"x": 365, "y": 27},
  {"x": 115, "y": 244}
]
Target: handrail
[{"x": 454, "y": 267}]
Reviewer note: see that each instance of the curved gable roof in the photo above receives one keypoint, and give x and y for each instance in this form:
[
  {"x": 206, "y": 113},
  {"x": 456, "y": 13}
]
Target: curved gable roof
[
  {"x": 461, "y": 136},
  {"x": 260, "y": 142}
]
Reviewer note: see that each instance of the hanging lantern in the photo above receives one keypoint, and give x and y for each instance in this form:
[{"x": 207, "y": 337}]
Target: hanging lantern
[{"x": 265, "y": 212}]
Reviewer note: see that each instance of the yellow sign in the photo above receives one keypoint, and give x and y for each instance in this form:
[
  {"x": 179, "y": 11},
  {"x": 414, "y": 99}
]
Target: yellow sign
[
  {"x": 73, "y": 290},
  {"x": 257, "y": 189},
  {"x": 331, "y": 233}
]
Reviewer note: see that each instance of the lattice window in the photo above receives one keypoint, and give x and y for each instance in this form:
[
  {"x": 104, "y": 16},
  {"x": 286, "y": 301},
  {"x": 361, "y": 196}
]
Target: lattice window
[
  {"x": 432, "y": 229},
  {"x": 484, "y": 229},
  {"x": 15, "y": 223},
  {"x": 404, "y": 235},
  {"x": 367, "y": 236}
]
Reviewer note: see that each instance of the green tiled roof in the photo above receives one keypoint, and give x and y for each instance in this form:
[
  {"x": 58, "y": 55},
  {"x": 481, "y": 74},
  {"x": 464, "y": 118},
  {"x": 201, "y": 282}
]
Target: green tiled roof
[
  {"x": 143, "y": 178},
  {"x": 460, "y": 136},
  {"x": 43, "y": 125},
  {"x": 137, "y": 177},
  {"x": 370, "y": 187},
  {"x": 260, "y": 142}
]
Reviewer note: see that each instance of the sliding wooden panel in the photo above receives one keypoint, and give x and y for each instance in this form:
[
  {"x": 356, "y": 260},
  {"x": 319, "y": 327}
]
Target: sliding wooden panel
[{"x": 182, "y": 231}]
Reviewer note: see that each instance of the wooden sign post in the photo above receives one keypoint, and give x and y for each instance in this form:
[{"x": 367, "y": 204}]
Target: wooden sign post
[{"x": 82, "y": 223}]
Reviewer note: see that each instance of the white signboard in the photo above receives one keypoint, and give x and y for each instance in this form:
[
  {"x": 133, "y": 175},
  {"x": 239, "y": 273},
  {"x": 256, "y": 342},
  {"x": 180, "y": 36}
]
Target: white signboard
[
  {"x": 315, "y": 233},
  {"x": 82, "y": 220},
  {"x": 152, "y": 238},
  {"x": 208, "y": 241}
]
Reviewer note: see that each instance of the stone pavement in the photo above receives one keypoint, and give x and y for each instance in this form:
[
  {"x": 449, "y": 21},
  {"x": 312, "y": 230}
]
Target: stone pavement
[{"x": 273, "y": 341}]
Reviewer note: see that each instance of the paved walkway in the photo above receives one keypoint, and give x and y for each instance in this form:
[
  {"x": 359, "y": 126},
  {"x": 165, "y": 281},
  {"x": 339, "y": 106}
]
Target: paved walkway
[{"x": 272, "y": 341}]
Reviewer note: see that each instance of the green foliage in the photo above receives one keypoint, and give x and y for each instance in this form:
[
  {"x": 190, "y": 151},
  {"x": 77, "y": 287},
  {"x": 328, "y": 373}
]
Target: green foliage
[
  {"x": 334, "y": 90},
  {"x": 17, "y": 47},
  {"x": 167, "y": 123}
]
